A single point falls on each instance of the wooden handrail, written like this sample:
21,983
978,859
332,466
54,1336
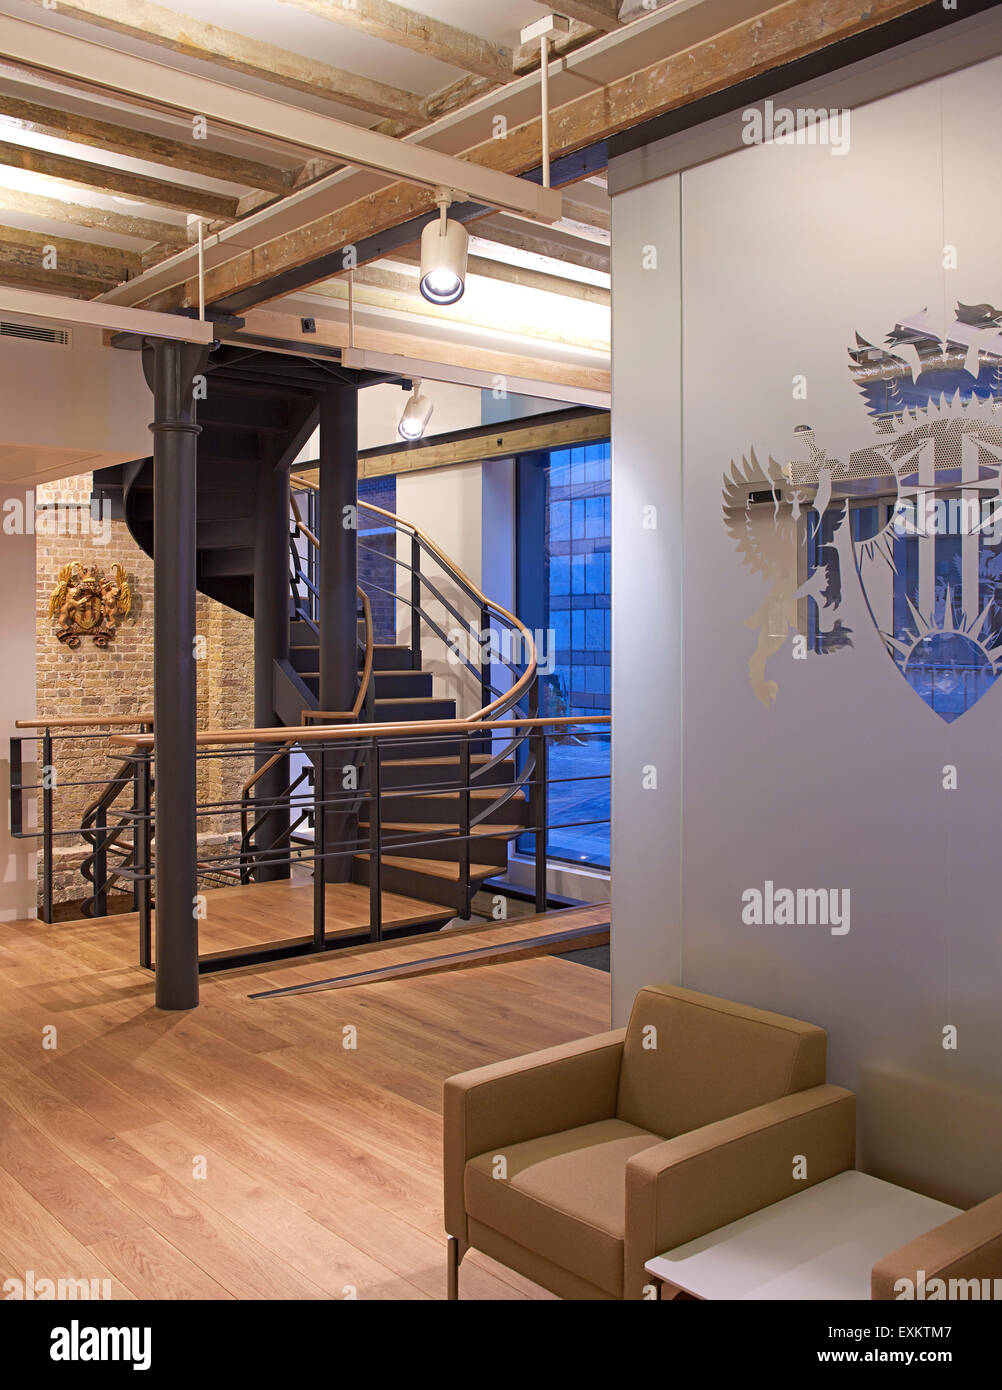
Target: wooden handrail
110,791
352,714
400,523
363,688
109,721
360,733
265,767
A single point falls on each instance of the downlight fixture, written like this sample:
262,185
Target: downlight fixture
417,413
444,248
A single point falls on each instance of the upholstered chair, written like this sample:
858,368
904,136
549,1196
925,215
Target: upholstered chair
966,1248
577,1164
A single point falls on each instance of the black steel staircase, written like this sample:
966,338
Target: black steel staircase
258,411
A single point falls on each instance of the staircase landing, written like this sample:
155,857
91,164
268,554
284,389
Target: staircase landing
262,915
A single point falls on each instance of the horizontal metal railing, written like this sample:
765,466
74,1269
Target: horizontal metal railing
364,811
100,824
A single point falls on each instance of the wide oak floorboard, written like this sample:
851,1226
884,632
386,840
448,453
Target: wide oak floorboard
285,1148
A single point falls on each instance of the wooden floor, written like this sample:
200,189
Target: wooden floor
241,1150
242,917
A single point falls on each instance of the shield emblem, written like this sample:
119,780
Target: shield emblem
922,502
926,531
88,611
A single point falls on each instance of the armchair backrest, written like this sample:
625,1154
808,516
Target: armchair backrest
690,1059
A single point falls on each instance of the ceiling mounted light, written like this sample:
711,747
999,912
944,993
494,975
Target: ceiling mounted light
417,413
444,247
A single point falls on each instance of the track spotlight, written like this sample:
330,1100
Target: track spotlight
444,247
417,413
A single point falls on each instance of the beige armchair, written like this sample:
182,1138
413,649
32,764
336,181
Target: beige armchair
576,1165
965,1249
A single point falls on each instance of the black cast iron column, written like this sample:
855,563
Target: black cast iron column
271,644
170,368
338,503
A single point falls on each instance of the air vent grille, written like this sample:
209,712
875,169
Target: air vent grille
36,332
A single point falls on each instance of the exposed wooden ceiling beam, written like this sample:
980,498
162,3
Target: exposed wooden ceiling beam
27,277
562,429
521,275
541,242
539,280
527,55
195,156
389,289
408,29
82,215
766,41
151,23
587,215
287,328
81,259
600,14
42,49
119,182
455,95
496,441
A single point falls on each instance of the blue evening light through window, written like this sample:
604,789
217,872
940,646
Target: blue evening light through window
564,551
377,542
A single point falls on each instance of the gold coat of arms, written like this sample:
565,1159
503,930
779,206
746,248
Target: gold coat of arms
88,603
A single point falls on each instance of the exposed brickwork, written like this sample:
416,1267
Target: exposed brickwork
118,680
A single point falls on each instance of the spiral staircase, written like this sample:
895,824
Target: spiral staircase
258,411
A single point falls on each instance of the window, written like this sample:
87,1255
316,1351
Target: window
564,587
377,548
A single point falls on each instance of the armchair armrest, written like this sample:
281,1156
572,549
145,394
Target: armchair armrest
509,1102
700,1181
968,1247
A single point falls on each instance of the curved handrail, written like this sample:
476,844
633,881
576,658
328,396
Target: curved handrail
366,678
352,714
112,790
103,802
399,523
504,702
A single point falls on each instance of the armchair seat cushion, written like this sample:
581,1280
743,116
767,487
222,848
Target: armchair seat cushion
564,1196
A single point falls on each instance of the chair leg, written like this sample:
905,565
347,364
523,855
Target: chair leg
454,1258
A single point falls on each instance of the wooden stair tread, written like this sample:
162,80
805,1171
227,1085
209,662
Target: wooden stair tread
401,671
446,758
430,827
476,793
413,699
435,868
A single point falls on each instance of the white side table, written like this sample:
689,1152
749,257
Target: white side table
818,1244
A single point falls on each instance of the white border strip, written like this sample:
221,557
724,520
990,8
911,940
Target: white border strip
93,313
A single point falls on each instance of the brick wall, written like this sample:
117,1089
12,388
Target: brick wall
118,680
